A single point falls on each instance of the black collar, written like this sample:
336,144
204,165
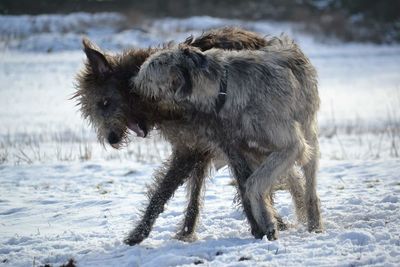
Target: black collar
221,99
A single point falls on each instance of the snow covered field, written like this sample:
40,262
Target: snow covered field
64,196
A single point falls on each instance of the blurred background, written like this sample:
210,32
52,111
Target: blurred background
362,20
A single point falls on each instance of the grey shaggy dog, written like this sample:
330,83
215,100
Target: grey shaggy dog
113,107
258,107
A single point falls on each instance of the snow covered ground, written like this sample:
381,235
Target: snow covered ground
64,196
51,212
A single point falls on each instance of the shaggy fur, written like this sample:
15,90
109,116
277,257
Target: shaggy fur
265,123
105,100
103,85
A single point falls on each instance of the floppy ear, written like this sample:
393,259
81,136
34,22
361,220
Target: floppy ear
181,83
97,60
198,58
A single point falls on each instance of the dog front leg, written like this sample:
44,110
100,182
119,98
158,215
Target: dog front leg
174,173
195,185
242,171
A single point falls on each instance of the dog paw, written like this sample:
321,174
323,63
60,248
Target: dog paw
315,227
132,240
186,237
135,237
257,233
272,234
271,231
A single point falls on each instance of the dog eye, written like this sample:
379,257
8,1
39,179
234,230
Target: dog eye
104,104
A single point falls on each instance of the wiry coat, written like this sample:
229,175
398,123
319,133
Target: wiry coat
266,116
105,98
105,79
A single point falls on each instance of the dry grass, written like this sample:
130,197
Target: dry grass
368,141
353,140
25,148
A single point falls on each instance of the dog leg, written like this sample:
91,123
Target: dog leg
288,148
279,221
312,202
261,182
295,184
194,186
296,188
177,171
242,171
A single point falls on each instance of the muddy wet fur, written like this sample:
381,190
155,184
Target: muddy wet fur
105,99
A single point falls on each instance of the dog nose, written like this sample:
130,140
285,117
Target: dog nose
113,138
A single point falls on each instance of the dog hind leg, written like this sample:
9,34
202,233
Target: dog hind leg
312,202
290,145
296,188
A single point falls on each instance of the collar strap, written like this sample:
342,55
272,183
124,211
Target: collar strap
221,99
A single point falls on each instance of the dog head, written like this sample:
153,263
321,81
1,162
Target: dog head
104,98
183,76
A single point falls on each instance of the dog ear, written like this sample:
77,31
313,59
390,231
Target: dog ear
181,83
97,60
198,58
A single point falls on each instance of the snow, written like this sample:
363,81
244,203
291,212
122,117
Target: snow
55,32
62,195
52,212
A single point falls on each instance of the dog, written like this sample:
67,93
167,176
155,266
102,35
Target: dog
105,98
259,107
